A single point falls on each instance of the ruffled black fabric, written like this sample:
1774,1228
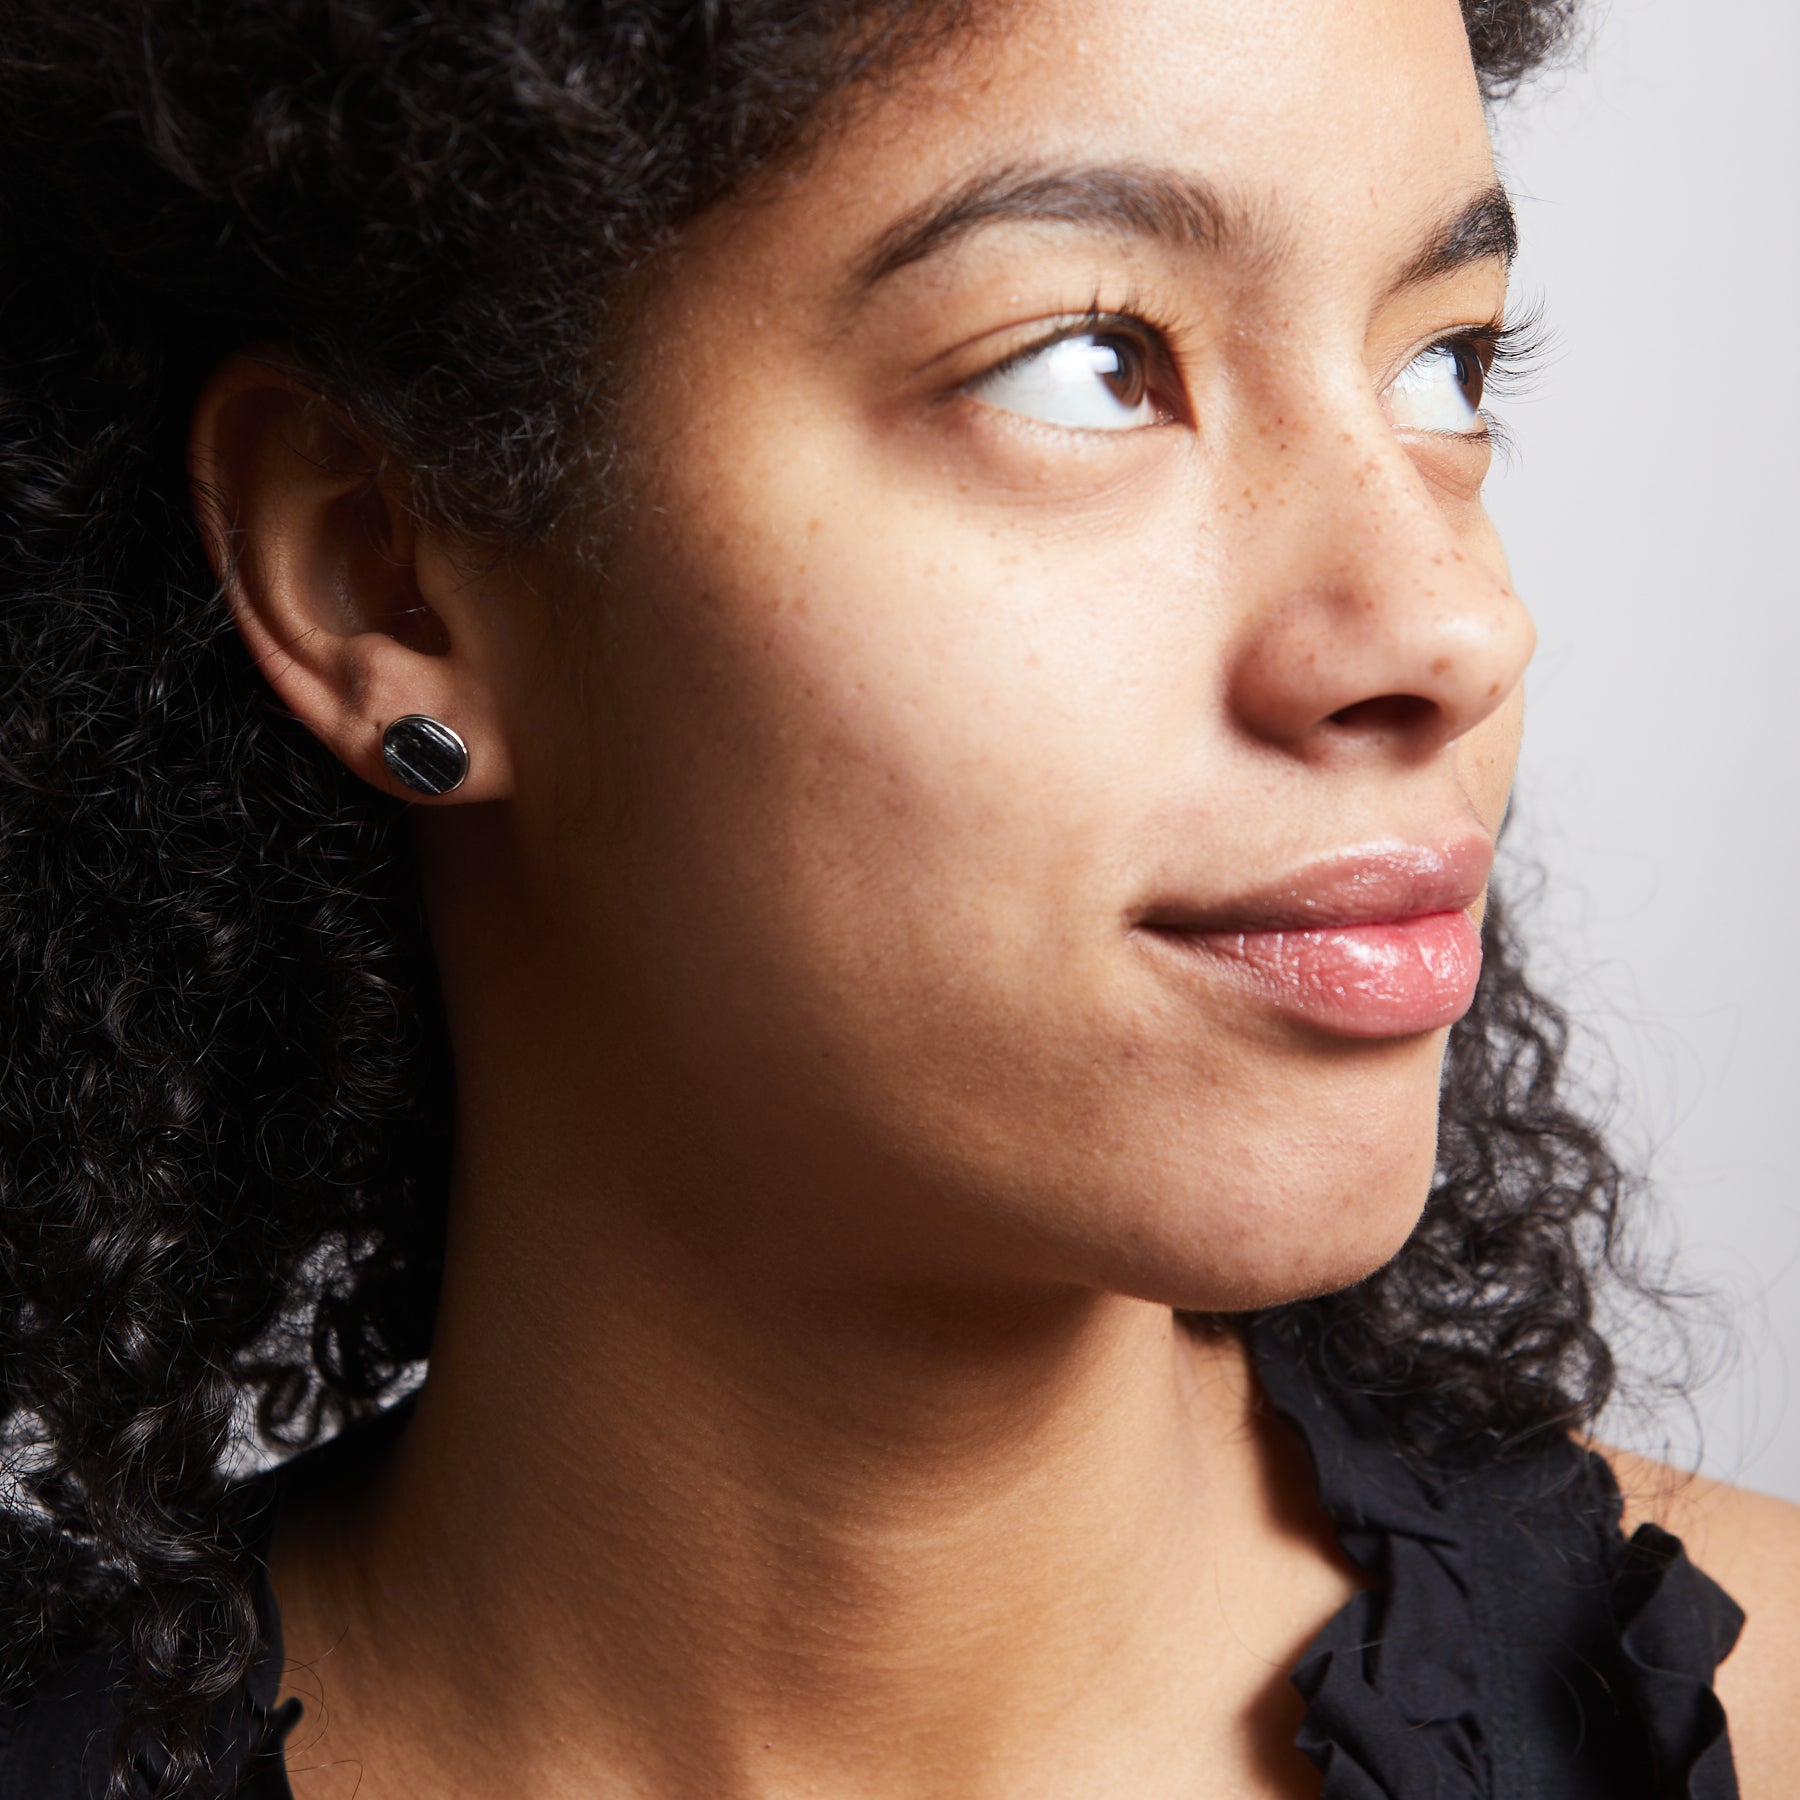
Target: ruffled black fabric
267,1725
56,1741
1514,1644
56,1738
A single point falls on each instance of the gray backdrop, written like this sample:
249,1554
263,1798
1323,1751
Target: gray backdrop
1648,513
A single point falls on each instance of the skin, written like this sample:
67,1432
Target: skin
808,1413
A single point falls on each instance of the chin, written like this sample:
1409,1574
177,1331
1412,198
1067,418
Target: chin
1275,1279
1252,1245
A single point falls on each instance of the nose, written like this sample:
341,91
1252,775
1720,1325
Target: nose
1375,626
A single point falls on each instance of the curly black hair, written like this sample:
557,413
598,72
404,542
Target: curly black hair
224,1099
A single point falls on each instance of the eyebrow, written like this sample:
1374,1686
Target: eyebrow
1152,203
1165,205
1486,229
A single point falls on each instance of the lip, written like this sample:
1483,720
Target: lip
1373,942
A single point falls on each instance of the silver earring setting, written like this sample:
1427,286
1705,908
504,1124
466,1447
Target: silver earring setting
426,754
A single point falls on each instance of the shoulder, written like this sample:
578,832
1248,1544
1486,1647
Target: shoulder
1750,1545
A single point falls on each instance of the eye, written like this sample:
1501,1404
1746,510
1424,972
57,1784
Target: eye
1440,390
1087,381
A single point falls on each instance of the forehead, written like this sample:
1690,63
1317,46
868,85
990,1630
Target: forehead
1340,124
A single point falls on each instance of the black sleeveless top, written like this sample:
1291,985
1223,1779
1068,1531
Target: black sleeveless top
1515,1645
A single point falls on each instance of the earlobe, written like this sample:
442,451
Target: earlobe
354,622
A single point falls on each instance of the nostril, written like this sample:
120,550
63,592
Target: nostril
1386,712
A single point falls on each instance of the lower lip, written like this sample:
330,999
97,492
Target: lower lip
1369,981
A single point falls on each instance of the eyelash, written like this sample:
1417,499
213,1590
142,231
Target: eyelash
1510,352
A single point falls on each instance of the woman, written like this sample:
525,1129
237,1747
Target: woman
904,587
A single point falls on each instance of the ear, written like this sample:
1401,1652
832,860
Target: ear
355,615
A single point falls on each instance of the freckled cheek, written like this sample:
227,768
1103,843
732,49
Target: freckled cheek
897,660
856,699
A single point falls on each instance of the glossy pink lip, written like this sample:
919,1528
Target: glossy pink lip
1373,942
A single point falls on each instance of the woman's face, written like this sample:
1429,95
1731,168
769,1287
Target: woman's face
1016,803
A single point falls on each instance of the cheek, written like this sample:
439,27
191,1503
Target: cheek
875,767
853,882
881,719
1488,758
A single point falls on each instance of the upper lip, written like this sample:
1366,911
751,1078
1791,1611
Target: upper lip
1372,884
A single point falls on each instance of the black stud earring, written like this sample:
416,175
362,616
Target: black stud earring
425,753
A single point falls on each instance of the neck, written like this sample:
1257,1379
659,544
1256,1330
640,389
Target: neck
755,1540
678,1515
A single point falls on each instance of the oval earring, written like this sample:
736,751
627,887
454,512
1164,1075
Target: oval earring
425,753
